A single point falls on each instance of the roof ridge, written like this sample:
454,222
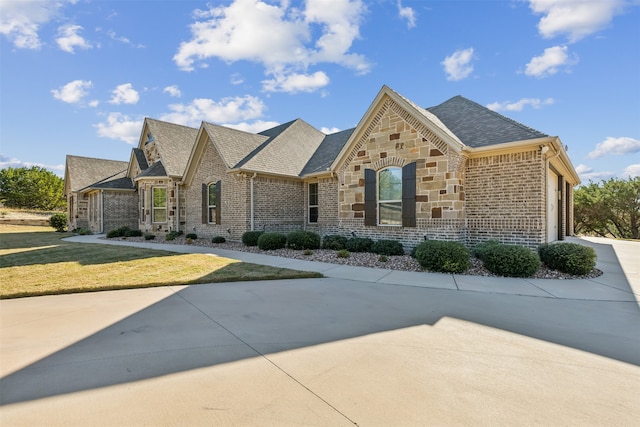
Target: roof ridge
95,158
264,144
169,123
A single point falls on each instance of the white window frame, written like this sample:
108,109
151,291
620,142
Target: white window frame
165,207
211,209
380,202
143,215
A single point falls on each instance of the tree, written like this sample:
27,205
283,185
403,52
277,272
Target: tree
610,208
31,188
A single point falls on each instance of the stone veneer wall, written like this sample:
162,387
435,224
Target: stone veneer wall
394,138
506,198
234,214
148,225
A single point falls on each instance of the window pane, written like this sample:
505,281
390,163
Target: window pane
313,194
313,214
212,195
159,215
390,213
212,215
159,197
390,186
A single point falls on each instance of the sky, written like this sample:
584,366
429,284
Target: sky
79,76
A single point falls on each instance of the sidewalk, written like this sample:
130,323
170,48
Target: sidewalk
617,259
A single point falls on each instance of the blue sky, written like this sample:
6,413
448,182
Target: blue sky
79,76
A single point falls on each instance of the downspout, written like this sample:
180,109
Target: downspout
251,195
177,206
101,211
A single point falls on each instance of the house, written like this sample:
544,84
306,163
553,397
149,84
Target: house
455,171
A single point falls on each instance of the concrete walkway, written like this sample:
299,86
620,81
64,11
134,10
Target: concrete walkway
358,347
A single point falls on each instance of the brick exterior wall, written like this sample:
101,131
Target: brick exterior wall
505,198
279,204
120,209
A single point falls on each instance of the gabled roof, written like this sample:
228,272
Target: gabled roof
287,150
140,159
232,144
327,152
174,143
156,170
478,126
119,181
81,172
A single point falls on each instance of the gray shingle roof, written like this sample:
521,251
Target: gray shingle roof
156,169
119,181
287,151
233,145
478,126
140,158
81,172
174,144
327,152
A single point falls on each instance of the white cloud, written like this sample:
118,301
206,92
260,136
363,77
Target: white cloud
172,90
73,92
253,127
458,66
575,18
278,36
113,36
293,83
535,103
619,146
631,171
12,162
120,126
550,62
586,173
329,131
407,13
227,110
236,79
68,38
20,20
124,94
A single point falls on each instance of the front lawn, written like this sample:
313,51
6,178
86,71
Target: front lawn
35,261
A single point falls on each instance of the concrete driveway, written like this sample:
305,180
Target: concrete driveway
332,351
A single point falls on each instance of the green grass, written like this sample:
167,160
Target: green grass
35,261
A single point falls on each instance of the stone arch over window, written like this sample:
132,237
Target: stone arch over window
388,162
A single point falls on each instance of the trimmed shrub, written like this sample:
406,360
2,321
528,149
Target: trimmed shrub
250,238
133,233
568,257
481,248
359,244
343,253
59,222
307,252
192,236
303,240
112,234
82,231
387,247
172,235
119,232
149,236
218,239
511,260
272,240
442,256
383,258
334,242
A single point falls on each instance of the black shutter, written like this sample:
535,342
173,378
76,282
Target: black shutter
369,197
205,204
218,201
409,195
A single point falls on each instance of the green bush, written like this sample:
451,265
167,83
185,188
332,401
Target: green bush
250,238
480,249
133,233
172,235
303,240
273,240
334,242
442,256
343,253
192,236
59,221
387,247
112,234
568,257
149,236
119,232
359,244
307,252
82,231
218,239
511,260
383,258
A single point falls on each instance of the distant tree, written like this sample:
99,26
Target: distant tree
610,208
31,188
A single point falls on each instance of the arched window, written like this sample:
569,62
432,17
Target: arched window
390,196
212,204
